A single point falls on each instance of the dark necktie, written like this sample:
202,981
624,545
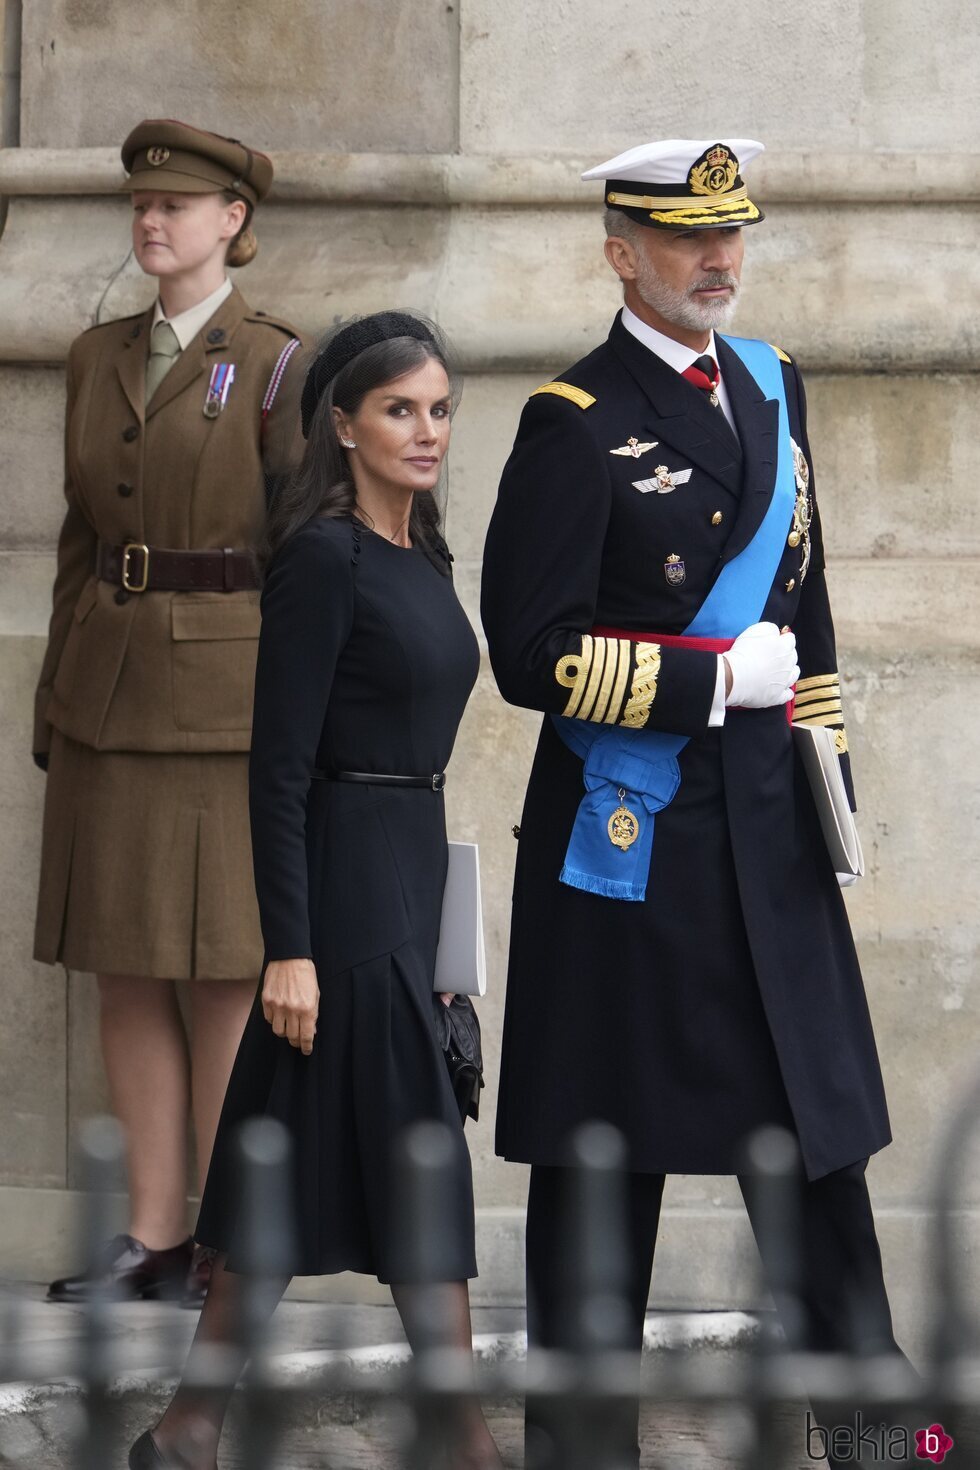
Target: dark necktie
704,374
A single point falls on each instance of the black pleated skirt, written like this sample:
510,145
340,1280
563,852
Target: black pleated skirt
376,1066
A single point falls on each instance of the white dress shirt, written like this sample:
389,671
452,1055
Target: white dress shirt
187,324
676,355
679,357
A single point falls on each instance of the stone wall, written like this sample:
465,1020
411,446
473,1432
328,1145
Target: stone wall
427,155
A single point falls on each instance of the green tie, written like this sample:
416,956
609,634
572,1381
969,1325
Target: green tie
164,352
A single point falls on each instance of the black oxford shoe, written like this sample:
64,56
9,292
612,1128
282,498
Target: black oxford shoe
126,1271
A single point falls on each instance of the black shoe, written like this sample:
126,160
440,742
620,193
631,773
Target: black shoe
198,1278
145,1456
126,1271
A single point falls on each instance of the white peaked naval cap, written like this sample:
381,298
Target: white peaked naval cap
682,183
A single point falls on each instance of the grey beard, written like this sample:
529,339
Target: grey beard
679,308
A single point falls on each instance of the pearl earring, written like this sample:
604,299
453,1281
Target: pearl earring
348,443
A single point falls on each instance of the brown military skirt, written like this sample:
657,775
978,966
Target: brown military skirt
146,865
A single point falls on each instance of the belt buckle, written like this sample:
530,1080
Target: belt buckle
439,781
128,550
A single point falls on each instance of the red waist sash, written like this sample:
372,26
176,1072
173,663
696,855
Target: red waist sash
668,640
677,640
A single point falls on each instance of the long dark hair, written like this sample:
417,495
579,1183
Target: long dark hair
322,485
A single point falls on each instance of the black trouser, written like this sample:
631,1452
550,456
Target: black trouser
843,1298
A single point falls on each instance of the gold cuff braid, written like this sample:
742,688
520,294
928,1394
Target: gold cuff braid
818,702
644,687
597,677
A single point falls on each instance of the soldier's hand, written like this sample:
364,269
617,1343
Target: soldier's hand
291,1001
763,666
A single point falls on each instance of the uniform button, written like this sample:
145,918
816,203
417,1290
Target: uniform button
122,596
717,518
216,335
790,584
125,490
515,830
131,433
793,539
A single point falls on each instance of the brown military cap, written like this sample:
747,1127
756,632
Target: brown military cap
161,153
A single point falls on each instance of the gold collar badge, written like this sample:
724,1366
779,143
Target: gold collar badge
634,447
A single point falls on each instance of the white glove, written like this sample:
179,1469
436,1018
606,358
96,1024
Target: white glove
764,667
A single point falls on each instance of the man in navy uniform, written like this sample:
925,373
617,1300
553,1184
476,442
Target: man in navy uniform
681,962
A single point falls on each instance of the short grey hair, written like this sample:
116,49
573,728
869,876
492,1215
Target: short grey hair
622,225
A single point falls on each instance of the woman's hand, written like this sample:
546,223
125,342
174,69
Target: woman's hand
291,1001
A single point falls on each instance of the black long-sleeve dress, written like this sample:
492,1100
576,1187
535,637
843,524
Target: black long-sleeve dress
365,663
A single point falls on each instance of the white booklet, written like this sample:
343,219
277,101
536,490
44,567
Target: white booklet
822,765
461,962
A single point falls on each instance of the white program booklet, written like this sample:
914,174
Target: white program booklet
461,962
822,765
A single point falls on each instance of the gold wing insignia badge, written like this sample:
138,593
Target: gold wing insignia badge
634,447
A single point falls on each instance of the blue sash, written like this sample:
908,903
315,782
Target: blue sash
637,769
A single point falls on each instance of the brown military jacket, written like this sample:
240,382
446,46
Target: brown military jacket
163,670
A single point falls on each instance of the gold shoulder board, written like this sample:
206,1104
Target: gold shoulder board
567,390
783,356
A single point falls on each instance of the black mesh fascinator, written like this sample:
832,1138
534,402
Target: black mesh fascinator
348,343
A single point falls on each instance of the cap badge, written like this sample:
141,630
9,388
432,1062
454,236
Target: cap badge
634,447
714,172
674,570
156,156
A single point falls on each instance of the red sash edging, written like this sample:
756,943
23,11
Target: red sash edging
676,640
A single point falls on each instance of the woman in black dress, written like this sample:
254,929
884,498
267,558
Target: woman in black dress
366,660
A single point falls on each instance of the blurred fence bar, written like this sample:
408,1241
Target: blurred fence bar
587,1390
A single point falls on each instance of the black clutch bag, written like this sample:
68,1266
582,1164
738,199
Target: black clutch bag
458,1030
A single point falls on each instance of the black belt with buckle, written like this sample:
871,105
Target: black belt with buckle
435,782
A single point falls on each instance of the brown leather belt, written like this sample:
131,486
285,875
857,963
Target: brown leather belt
141,568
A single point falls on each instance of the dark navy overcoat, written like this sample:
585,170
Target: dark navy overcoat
732,996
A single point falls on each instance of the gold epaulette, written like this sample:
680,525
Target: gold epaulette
569,391
783,356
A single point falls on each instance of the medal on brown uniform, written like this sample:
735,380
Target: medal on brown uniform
222,377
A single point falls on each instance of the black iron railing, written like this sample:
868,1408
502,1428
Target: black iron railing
590,1387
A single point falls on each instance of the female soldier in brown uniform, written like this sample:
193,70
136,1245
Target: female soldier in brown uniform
176,421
